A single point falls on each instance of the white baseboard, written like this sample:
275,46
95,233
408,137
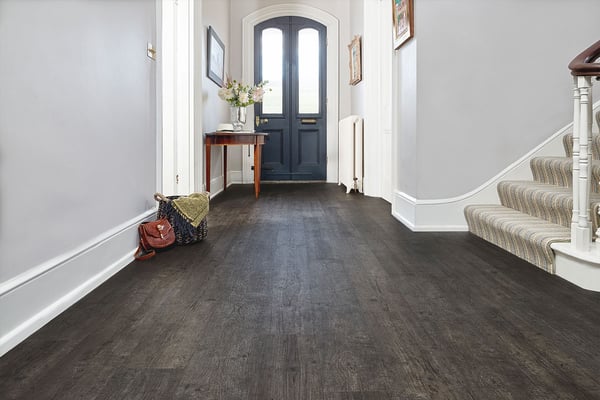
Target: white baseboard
422,217
216,186
32,299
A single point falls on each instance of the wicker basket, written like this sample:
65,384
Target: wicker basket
185,233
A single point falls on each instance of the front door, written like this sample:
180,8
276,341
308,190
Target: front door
290,53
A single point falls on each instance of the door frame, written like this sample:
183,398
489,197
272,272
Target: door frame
332,90
178,151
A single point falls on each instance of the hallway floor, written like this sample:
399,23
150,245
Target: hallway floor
309,293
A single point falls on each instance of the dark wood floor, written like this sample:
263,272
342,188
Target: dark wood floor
309,293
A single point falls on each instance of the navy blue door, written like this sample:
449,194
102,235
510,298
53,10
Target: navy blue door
290,52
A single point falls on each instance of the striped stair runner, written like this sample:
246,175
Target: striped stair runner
534,214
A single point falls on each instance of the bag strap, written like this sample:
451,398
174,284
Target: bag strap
161,197
139,254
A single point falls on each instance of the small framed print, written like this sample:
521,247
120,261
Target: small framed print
355,61
402,11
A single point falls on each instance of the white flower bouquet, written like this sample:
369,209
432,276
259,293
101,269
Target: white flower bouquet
239,94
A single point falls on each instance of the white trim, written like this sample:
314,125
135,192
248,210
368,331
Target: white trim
158,82
197,138
421,217
447,214
332,24
178,94
32,299
403,209
216,185
191,73
35,272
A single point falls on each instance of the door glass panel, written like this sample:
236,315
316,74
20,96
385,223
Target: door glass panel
272,70
308,71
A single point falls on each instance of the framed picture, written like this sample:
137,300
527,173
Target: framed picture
215,58
355,61
402,11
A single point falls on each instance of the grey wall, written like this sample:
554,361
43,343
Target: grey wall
491,84
77,124
215,13
405,94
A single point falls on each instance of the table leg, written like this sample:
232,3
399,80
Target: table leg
224,168
207,183
257,163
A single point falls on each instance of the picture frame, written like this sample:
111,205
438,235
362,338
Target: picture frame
215,58
354,49
403,21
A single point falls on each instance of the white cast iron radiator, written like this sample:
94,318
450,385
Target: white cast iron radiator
351,153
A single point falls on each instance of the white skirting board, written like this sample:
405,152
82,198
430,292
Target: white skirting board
32,299
216,184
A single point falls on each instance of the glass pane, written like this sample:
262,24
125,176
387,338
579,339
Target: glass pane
308,71
272,70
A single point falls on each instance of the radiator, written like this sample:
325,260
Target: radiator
351,153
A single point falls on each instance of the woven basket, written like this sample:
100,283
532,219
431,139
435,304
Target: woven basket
185,233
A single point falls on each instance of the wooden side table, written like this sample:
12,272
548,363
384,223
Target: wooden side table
232,138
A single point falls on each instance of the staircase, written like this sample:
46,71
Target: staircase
534,214
536,218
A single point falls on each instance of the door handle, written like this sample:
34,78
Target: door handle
308,121
260,120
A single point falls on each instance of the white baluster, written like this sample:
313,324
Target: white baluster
575,182
583,236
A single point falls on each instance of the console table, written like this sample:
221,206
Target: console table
232,138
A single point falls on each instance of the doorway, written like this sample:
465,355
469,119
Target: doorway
332,74
290,53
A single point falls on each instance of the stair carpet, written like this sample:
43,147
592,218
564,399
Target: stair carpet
534,214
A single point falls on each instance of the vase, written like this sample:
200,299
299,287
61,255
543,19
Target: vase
238,118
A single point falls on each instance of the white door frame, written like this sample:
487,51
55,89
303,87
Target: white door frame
332,92
177,97
377,99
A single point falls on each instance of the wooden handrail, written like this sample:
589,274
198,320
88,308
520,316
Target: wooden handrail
584,64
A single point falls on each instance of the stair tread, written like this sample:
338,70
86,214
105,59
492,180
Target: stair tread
566,159
550,189
524,235
559,171
511,215
568,144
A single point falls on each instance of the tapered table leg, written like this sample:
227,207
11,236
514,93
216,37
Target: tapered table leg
224,168
257,161
207,166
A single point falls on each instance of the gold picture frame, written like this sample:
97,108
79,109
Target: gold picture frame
355,60
402,12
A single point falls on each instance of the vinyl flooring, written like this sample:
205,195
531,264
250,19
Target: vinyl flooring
309,293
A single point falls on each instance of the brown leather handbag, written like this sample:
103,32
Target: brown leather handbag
154,235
